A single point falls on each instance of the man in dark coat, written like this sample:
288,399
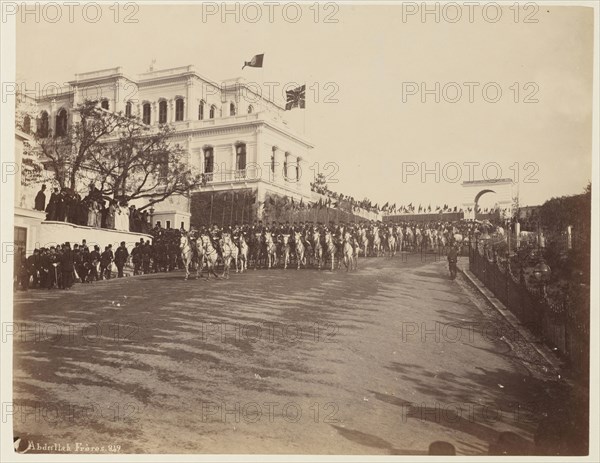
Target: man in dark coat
121,255
94,259
61,206
84,267
66,264
105,260
51,208
33,264
40,199
147,254
52,264
77,261
136,259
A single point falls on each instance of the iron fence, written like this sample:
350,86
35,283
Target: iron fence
563,326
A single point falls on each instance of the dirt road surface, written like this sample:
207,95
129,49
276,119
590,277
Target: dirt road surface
384,360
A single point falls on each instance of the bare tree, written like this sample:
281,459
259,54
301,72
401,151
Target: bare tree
141,163
125,158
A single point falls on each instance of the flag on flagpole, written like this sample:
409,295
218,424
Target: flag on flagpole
255,62
295,98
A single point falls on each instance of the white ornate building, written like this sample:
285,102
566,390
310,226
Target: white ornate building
236,137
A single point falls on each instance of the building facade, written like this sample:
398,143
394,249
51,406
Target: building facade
239,140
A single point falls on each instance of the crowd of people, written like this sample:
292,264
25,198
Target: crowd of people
58,267
94,210
348,202
62,265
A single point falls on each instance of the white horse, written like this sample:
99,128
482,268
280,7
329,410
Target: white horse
350,255
286,249
400,240
186,251
330,246
230,253
200,254
210,255
391,241
299,245
317,249
364,241
242,263
271,250
376,242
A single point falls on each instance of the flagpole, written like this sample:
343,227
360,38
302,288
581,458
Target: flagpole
212,196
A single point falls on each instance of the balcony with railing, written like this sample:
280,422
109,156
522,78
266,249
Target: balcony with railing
250,174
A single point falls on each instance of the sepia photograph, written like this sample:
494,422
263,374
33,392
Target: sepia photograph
304,231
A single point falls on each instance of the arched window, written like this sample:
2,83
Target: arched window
43,125
201,110
240,156
146,112
162,112
232,109
209,163
128,109
104,104
27,124
179,109
213,110
250,109
61,123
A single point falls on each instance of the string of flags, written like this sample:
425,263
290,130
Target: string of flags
296,98
289,203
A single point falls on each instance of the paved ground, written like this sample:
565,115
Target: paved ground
384,360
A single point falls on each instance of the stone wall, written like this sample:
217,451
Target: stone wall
52,233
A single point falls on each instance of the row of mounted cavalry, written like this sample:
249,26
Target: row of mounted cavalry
305,247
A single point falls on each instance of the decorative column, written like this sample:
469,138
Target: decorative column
299,173
188,99
277,172
118,105
74,114
170,111
154,115
75,96
202,159
233,166
285,166
257,157
52,117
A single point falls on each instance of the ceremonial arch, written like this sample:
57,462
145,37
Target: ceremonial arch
474,190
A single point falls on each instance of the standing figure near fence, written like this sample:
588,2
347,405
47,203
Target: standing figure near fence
452,260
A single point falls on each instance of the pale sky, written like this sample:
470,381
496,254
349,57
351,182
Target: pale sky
370,55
